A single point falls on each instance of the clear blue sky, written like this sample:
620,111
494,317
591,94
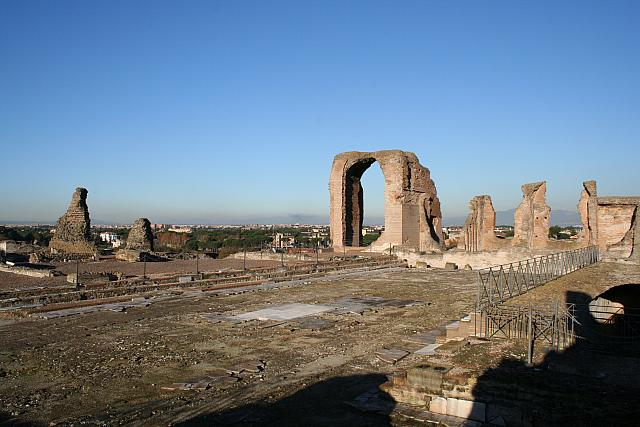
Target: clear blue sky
232,111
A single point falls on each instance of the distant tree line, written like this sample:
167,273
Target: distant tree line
37,235
235,239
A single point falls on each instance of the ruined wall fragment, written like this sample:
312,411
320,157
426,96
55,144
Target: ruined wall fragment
588,209
618,224
629,246
478,231
532,218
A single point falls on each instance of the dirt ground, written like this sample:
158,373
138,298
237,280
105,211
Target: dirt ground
110,367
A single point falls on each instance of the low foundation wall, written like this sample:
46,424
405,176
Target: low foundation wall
271,256
27,271
476,260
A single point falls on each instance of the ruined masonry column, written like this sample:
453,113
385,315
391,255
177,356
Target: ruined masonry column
532,218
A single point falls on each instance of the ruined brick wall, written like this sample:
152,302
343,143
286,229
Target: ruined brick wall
478,232
618,226
612,223
412,208
588,209
531,228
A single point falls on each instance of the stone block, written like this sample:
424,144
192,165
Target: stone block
422,264
428,350
427,376
466,409
410,396
438,405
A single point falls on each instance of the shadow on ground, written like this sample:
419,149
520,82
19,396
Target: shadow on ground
322,404
6,420
595,382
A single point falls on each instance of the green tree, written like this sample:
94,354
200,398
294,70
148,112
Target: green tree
368,239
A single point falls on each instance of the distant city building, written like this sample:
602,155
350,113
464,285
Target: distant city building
180,229
452,231
377,229
503,231
315,233
281,240
112,238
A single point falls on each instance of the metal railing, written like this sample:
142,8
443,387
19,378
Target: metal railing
555,326
497,284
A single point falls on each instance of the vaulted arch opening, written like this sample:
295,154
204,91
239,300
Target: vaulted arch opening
354,202
618,310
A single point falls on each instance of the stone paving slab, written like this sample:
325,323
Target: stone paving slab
116,307
312,323
285,312
220,317
423,337
428,350
391,355
371,401
360,304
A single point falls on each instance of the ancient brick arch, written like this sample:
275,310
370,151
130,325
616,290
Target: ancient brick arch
412,208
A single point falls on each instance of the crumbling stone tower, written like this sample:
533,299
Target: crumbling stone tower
73,229
140,236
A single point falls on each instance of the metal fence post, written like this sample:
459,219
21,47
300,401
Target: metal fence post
530,339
